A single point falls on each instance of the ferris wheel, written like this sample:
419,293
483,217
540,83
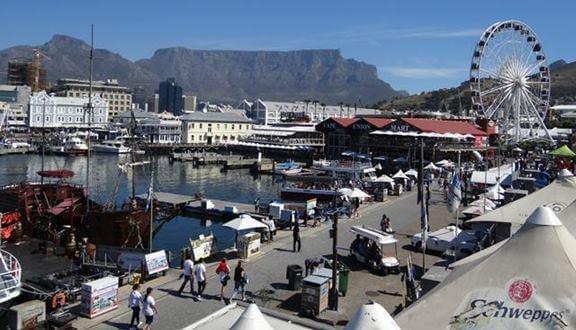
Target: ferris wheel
510,80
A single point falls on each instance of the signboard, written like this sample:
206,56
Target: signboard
156,262
400,126
203,247
311,204
99,296
362,126
516,306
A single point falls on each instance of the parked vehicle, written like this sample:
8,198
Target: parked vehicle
372,248
451,240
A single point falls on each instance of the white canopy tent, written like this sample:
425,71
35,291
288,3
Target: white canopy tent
493,176
354,193
372,316
244,222
557,195
512,288
412,172
431,167
383,178
251,319
400,175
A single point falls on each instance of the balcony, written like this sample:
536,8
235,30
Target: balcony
10,276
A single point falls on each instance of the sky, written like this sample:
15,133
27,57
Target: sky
415,45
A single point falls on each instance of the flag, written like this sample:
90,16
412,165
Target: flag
424,224
150,192
454,192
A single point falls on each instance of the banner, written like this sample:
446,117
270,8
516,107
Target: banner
455,192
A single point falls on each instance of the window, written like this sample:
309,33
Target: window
232,126
192,138
218,126
200,126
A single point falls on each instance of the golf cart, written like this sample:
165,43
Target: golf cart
369,246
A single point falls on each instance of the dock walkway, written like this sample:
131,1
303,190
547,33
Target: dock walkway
170,199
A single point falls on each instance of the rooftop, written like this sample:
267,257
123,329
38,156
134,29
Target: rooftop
444,126
223,117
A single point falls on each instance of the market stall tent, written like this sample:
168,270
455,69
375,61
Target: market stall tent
563,151
521,290
251,319
372,316
244,222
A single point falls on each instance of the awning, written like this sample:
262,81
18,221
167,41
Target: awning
563,151
456,136
491,177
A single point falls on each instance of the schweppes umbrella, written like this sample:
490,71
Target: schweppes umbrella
526,283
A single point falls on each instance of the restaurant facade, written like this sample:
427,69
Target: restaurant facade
396,137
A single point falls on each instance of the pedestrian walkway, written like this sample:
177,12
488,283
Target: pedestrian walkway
268,285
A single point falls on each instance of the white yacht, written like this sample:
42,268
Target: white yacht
116,146
74,146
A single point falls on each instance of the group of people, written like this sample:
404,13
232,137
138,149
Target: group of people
145,303
223,270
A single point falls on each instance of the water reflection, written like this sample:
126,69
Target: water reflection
109,183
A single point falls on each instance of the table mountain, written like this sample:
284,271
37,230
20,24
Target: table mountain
218,75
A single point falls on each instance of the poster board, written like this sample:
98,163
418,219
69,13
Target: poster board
99,296
156,262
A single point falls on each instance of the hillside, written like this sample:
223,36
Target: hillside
563,77
226,76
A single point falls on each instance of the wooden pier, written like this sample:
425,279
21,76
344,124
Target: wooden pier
169,199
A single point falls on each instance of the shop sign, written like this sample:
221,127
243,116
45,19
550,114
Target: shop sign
400,127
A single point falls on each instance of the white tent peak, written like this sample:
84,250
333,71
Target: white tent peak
544,216
250,319
371,316
565,173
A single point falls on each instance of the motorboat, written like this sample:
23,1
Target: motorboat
287,168
346,170
74,146
300,192
116,146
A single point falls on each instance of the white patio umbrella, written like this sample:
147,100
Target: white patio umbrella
564,173
372,316
475,210
383,178
443,162
250,319
358,193
400,175
378,167
494,195
412,172
431,166
244,222
497,188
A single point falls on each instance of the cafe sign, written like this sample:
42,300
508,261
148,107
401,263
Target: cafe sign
400,126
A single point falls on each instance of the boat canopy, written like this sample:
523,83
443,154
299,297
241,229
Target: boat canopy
59,174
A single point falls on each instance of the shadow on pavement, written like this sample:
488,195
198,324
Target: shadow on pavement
279,286
292,303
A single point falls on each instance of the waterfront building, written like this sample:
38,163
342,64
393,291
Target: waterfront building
124,118
153,103
65,112
214,127
17,99
299,136
118,98
272,112
170,97
396,138
162,131
139,97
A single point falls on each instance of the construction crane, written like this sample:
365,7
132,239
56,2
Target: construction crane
37,65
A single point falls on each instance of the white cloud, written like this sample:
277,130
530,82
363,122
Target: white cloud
420,73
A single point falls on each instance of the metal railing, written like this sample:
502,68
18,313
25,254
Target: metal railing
10,278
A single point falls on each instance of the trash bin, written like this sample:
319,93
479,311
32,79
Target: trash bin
343,274
294,276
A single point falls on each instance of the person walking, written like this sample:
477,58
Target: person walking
239,280
200,274
134,301
271,228
296,237
188,275
149,308
223,271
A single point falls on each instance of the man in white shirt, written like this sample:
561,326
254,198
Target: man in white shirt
188,275
200,274
134,301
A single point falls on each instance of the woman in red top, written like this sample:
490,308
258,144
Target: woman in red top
223,271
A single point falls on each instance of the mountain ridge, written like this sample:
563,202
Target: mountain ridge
220,75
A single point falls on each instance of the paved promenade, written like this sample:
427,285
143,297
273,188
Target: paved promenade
268,286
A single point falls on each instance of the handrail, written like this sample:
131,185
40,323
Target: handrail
14,283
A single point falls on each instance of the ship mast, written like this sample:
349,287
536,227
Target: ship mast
89,110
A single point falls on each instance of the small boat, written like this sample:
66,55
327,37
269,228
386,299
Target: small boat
116,146
292,192
74,146
287,168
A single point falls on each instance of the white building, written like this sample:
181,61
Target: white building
214,127
61,112
272,112
163,131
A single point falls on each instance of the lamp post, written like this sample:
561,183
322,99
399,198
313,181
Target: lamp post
333,301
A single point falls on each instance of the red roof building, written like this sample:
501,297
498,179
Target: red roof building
444,126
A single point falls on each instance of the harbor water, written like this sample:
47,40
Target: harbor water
109,183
